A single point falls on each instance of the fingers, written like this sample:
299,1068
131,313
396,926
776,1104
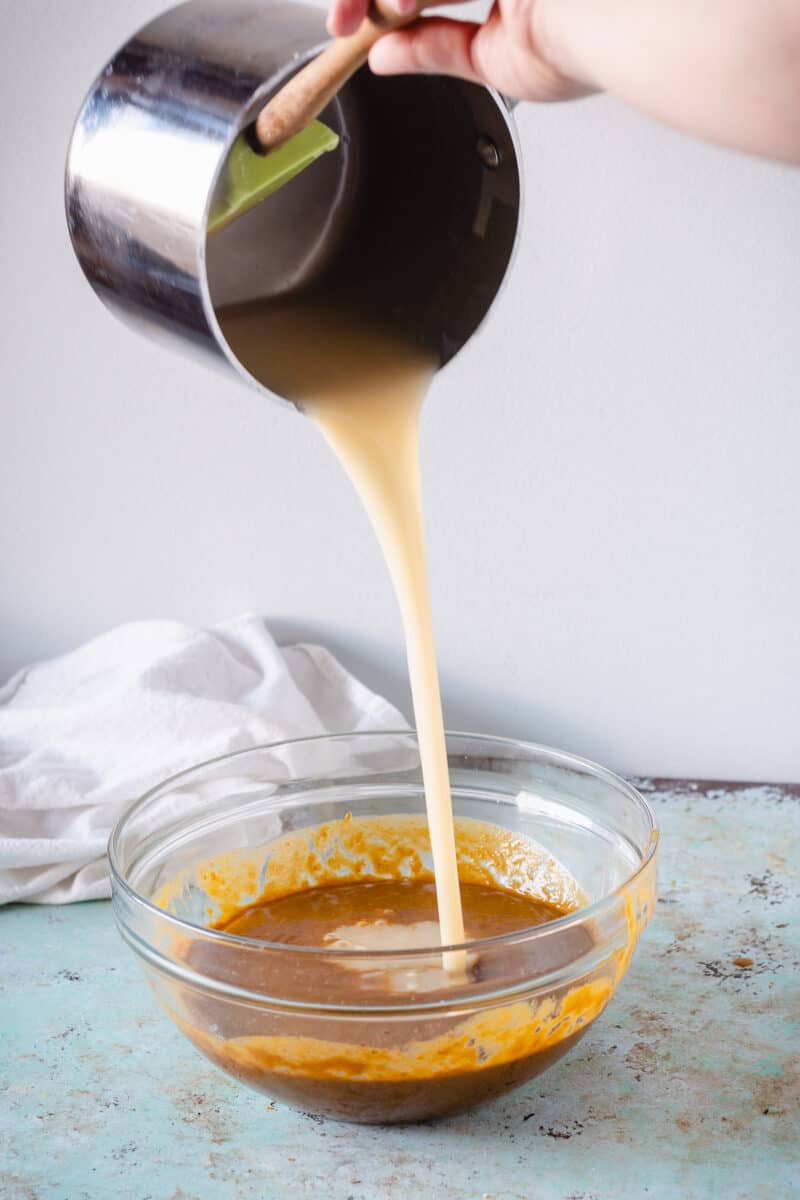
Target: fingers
478,53
345,16
434,46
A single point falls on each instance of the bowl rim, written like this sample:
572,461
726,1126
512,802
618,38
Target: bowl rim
560,758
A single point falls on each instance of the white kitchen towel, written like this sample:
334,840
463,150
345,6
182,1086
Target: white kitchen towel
83,735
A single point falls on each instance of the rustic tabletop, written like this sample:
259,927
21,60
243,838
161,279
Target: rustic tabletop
686,1087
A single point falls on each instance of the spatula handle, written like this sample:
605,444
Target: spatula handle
311,89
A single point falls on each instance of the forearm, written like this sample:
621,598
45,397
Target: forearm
725,70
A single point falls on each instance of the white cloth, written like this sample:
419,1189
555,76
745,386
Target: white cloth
85,734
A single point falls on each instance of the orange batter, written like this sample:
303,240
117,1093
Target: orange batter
434,1045
309,918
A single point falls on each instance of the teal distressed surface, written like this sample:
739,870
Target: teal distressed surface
686,1087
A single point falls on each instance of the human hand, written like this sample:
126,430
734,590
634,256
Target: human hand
505,52
724,70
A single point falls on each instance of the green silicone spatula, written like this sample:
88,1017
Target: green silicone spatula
286,131
251,177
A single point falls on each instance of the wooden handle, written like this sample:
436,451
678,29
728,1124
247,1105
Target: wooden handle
312,88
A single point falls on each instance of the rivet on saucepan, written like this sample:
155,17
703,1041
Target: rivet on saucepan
488,152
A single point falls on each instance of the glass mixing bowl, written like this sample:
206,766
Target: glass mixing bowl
381,1036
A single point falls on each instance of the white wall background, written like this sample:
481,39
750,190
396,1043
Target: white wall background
611,468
